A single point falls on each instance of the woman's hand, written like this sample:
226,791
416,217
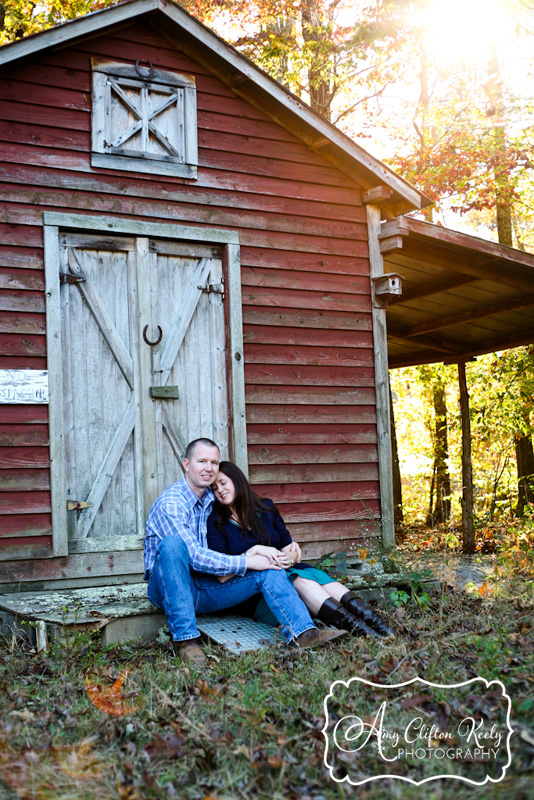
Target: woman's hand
224,578
274,556
293,551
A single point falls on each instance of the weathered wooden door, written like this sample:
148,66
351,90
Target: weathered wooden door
143,373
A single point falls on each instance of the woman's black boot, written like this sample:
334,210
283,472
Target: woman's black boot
333,613
362,611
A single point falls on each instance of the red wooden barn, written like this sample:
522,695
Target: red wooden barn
186,250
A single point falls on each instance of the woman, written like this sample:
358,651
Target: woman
241,519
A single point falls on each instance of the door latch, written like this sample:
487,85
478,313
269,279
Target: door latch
78,505
212,288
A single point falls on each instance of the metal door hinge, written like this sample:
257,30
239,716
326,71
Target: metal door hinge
78,505
65,277
215,288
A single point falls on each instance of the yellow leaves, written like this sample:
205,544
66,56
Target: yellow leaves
79,761
25,715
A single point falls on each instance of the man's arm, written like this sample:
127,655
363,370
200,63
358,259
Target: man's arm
174,520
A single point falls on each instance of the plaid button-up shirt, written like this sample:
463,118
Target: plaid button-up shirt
179,512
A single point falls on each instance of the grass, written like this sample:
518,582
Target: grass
131,722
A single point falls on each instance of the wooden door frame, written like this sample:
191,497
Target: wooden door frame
53,224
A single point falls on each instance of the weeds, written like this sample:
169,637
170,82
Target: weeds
130,722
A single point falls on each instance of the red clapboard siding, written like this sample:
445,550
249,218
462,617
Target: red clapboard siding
20,480
21,279
23,435
306,318
24,549
318,454
13,321
307,262
311,434
22,362
318,492
25,415
92,196
311,356
141,185
283,414
306,291
254,220
308,376
21,457
22,258
297,395
24,502
336,529
285,337
25,525
319,512
313,281
14,345
213,159
312,473
21,301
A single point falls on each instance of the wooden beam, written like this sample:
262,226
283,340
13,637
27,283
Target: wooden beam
236,358
436,342
318,144
467,467
469,316
377,194
525,337
55,390
463,253
434,287
385,460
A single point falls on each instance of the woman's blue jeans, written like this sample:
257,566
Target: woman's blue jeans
182,594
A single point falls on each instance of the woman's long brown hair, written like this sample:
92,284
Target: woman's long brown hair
247,505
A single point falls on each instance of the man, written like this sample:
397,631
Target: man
176,554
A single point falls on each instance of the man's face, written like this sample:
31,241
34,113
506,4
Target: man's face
202,468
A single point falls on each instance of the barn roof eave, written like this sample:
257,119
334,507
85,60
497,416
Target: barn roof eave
247,81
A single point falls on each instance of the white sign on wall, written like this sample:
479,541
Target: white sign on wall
23,386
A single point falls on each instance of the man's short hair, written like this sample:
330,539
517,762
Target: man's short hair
191,447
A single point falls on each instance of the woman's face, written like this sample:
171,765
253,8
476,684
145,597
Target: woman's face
224,489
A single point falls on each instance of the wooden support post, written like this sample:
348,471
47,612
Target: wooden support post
397,482
467,467
383,424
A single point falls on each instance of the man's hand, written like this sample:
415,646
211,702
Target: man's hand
259,562
295,551
273,555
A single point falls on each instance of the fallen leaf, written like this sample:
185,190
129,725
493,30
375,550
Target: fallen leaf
110,699
25,714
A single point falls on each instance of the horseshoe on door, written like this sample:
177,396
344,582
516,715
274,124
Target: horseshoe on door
147,341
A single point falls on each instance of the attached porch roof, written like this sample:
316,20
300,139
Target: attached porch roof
462,296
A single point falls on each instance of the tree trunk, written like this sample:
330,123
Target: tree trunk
503,188
467,467
318,81
442,507
524,454
398,515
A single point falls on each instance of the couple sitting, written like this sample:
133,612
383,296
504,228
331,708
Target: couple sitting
201,558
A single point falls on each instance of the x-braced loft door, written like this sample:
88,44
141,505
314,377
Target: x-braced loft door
143,356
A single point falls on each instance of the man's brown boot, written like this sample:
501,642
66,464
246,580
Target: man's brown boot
315,637
189,651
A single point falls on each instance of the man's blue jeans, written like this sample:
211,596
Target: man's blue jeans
181,594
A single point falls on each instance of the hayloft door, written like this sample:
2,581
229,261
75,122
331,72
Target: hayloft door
143,346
